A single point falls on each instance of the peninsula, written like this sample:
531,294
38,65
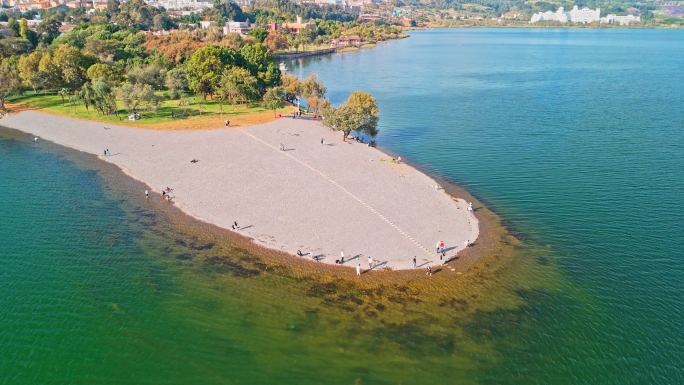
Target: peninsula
319,198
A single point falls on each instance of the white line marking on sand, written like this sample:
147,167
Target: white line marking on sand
402,232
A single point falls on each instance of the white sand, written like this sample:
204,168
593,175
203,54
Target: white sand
313,198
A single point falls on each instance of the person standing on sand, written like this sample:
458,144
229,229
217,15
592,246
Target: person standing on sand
147,194
370,263
358,269
414,261
470,207
342,256
466,243
322,142
441,246
437,246
428,271
108,153
441,259
105,152
282,147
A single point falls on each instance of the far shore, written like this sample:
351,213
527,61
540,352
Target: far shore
314,198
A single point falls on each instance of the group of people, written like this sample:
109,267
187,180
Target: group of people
106,153
166,193
296,113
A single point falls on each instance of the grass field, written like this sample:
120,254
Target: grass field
186,118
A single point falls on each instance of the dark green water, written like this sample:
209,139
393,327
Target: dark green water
574,136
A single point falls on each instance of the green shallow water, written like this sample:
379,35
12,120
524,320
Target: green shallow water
573,136
101,286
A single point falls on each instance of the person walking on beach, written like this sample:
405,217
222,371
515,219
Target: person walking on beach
147,194
441,259
358,269
470,207
428,271
441,246
322,142
282,147
437,246
342,256
414,262
370,263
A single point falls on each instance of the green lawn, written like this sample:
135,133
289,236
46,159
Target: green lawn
184,116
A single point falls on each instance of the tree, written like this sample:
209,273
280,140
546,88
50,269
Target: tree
86,96
226,9
205,67
238,83
275,42
176,82
48,30
13,46
112,8
273,99
138,96
9,81
292,88
312,88
109,74
150,74
359,113
13,25
259,33
71,65
257,57
23,28
64,92
28,67
103,99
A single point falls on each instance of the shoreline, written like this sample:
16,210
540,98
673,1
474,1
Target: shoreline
383,226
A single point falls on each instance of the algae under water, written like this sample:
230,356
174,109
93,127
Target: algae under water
100,285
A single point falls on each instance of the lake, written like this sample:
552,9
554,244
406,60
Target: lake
574,137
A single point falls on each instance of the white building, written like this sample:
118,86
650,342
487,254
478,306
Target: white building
559,15
622,20
576,15
237,27
584,15
193,5
206,24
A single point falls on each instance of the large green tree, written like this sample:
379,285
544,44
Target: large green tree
71,64
9,80
48,30
359,113
238,83
205,68
176,81
273,99
313,90
138,96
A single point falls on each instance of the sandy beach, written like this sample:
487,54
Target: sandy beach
316,198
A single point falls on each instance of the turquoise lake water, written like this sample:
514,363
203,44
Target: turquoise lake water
574,137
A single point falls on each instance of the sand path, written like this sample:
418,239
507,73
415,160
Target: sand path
316,198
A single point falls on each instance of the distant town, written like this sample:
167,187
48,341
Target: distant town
412,14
